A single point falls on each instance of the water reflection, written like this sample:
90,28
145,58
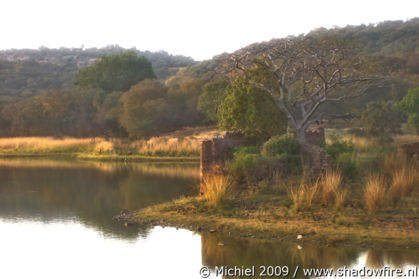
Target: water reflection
57,215
91,192
218,250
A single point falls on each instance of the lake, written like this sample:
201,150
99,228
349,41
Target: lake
56,222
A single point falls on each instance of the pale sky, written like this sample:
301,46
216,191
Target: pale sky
196,28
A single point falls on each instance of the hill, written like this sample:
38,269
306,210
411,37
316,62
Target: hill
23,72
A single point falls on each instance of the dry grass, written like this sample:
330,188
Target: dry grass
406,138
180,143
403,181
402,174
215,188
374,193
331,190
304,195
43,143
164,146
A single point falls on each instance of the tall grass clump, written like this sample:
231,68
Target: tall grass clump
331,189
304,195
216,188
374,193
403,181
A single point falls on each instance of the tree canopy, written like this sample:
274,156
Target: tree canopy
115,72
247,110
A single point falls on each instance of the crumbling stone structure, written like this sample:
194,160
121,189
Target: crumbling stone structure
320,161
316,136
213,153
410,149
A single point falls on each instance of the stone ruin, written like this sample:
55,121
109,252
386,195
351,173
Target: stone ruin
213,153
316,136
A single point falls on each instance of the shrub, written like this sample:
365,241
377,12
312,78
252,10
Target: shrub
347,164
374,193
215,188
287,150
337,147
244,163
280,145
342,156
290,164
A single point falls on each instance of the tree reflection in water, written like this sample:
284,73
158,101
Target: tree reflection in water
90,192
250,252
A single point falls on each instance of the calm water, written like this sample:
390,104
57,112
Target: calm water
56,222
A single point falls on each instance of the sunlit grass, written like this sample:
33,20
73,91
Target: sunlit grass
216,188
180,143
303,195
331,191
374,193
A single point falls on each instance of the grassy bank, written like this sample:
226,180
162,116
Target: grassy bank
181,145
378,205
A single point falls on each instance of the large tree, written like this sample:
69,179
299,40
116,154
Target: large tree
302,74
115,72
247,110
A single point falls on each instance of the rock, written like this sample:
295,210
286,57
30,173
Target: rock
299,237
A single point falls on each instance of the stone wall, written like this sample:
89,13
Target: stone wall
410,149
316,136
320,161
213,154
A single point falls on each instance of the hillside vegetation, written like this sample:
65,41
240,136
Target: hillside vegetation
38,96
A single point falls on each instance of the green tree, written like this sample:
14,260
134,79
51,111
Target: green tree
212,95
115,72
250,111
144,109
409,105
381,119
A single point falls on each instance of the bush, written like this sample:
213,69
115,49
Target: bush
280,145
287,150
244,162
248,165
338,147
346,163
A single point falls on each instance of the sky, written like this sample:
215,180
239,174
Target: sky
196,28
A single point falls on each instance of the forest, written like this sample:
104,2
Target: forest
127,93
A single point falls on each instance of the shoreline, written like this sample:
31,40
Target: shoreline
304,229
